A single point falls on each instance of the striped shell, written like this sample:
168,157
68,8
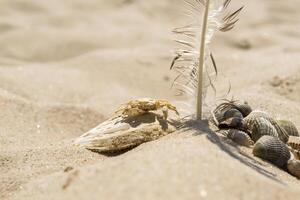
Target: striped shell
259,123
239,137
273,150
258,127
294,144
289,127
293,167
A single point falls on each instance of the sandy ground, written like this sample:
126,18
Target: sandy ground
65,66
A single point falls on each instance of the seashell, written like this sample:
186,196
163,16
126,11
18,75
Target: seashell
239,137
221,109
232,113
244,108
294,144
273,150
228,118
295,152
293,167
232,118
258,127
289,127
119,134
259,123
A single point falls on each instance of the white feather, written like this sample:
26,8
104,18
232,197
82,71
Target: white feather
186,62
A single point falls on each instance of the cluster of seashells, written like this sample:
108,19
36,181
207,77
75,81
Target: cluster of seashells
276,141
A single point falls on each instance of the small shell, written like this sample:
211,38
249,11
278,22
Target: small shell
296,153
294,144
232,113
222,108
218,113
232,118
273,150
245,109
289,127
294,167
239,137
259,123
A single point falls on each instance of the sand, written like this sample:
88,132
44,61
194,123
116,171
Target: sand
65,66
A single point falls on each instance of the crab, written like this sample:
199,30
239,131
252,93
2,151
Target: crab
140,106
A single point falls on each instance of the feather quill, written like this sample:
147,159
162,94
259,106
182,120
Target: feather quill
194,61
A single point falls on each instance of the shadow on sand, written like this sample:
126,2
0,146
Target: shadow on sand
202,127
199,128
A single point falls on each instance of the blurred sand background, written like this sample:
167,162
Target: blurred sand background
65,66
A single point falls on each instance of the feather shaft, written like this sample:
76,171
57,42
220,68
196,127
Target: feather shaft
201,63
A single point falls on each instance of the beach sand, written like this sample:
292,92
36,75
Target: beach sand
66,66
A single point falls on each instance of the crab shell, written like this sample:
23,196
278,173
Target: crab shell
141,106
119,134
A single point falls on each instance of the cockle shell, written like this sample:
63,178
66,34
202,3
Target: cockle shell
294,144
118,134
273,150
258,127
293,167
289,127
259,123
238,137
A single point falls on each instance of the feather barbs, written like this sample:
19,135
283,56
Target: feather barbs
194,49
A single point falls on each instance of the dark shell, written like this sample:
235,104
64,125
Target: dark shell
273,150
293,167
232,113
259,123
232,118
289,127
245,109
239,137
219,111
